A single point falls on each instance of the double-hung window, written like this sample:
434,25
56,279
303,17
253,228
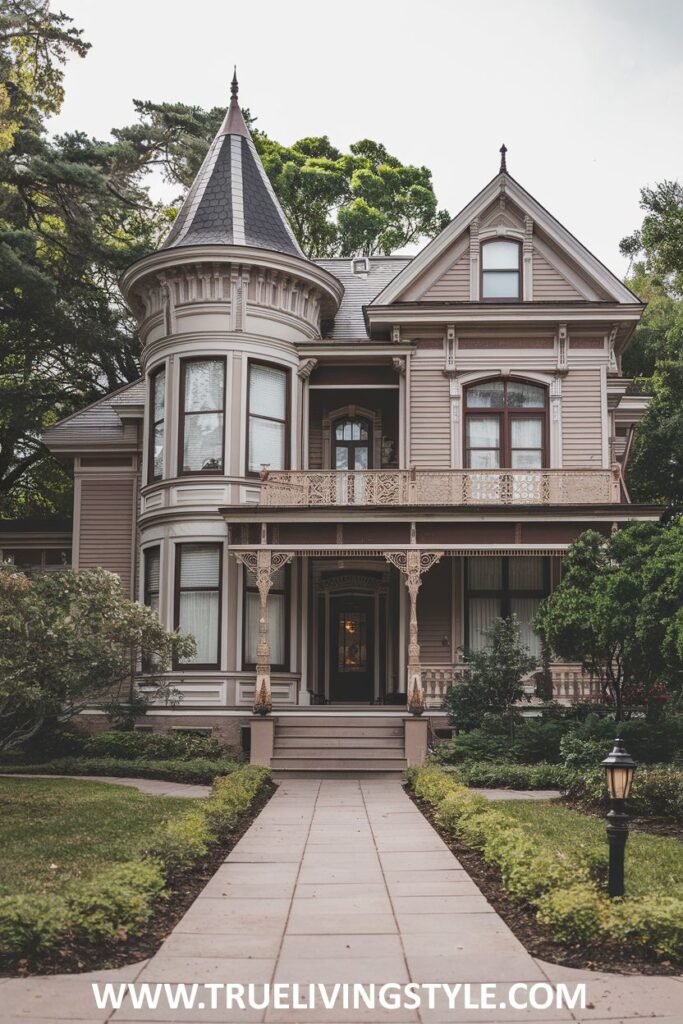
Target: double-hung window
152,558
501,270
157,404
198,600
277,619
267,419
499,588
202,390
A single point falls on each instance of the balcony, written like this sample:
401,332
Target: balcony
396,487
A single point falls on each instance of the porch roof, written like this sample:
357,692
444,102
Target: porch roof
379,551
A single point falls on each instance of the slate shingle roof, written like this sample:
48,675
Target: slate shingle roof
99,423
231,201
359,291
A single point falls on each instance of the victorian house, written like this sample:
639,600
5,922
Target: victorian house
337,473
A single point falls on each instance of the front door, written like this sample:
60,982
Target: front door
352,649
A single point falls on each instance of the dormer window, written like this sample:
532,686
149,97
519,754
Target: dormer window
501,270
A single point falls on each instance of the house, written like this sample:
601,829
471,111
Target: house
336,473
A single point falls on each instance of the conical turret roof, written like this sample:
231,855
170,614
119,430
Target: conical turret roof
231,201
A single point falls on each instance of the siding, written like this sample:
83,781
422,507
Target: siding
434,614
582,419
430,424
106,524
455,283
549,283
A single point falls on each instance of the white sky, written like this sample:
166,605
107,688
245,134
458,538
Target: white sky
586,94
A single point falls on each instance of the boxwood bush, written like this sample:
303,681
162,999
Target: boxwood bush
121,900
575,913
199,771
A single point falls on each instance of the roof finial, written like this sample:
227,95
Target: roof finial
503,166
234,86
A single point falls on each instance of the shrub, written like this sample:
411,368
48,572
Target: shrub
181,841
30,923
118,903
580,753
648,742
197,772
657,790
574,915
655,922
430,784
171,746
505,775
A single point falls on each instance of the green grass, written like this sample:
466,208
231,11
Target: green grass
654,864
54,832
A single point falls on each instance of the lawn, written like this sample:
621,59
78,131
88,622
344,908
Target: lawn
56,831
653,863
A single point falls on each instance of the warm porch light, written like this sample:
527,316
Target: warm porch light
619,769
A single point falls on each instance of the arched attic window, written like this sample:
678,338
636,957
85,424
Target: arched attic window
501,270
506,425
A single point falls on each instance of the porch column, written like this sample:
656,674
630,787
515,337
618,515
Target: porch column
413,564
264,563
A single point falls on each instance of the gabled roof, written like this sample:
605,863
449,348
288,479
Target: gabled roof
359,290
231,201
543,220
99,423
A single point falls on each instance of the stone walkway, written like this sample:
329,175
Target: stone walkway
342,881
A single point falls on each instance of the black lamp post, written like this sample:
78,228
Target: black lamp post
619,768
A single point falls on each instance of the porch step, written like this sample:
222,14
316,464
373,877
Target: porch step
313,744
333,732
348,753
316,764
326,741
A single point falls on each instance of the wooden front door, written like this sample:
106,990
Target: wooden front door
352,655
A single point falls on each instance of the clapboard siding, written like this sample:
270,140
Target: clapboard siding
434,614
582,419
430,428
549,283
106,524
455,283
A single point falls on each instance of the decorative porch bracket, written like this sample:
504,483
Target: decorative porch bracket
413,564
264,564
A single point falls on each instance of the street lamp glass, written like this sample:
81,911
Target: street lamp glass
619,768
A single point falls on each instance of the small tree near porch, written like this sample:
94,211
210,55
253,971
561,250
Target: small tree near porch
68,639
493,678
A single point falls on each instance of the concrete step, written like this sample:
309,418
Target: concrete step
340,731
337,742
322,764
337,721
335,773
348,753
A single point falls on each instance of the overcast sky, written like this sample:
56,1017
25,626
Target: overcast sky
586,94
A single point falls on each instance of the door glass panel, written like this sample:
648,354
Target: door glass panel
352,647
361,458
342,458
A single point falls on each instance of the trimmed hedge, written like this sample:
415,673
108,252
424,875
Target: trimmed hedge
199,771
508,775
575,914
122,899
657,790
169,746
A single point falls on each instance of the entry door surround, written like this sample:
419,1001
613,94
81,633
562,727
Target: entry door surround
365,593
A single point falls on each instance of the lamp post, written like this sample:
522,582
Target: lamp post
619,769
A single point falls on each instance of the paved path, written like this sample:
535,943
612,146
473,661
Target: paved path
154,787
342,881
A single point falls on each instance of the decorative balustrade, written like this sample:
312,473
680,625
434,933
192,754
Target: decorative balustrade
570,684
388,487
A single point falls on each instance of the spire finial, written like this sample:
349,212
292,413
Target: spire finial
234,86
503,165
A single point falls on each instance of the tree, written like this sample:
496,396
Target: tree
659,240
618,611
67,639
493,678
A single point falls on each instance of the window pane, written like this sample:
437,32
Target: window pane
342,458
199,565
482,612
159,396
526,573
198,617
267,391
483,431
158,469
266,444
525,396
526,433
526,460
361,458
500,255
486,396
203,442
499,285
485,573
479,458
276,628
525,609
339,430
204,383
152,564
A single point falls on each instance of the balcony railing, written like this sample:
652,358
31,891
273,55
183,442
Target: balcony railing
443,487
570,684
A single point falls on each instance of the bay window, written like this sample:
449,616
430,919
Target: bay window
198,600
277,619
505,425
202,441
157,404
267,418
499,588
152,567
501,270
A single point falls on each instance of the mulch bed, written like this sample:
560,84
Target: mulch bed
521,919
183,889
